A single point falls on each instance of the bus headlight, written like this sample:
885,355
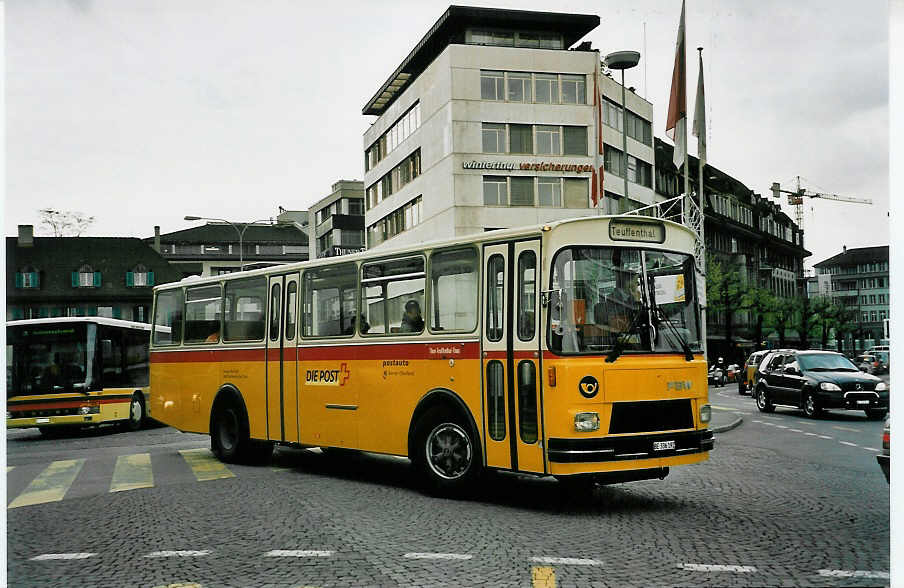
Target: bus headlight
585,422
706,413
93,409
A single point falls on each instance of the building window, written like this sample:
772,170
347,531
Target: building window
574,89
139,276
612,161
521,139
86,277
397,221
519,86
398,132
522,192
493,138
546,88
575,140
549,140
549,192
492,85
495,191
28,277
872,316
577,192
408,169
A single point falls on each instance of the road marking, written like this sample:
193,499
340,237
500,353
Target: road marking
849,443
810,434
872,449
438,556
845,429
204,465
721,407
781,426
49,556
179,553
716,568
854,574
567,561
51,485
180,585
8,468
297,553
795,430
131,472
825,437
543,577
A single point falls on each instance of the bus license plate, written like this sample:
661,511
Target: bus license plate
42,420
663,445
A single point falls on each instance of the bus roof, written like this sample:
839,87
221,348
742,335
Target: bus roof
464,240
80,319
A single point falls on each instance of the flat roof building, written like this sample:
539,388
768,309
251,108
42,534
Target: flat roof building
491,122
336,222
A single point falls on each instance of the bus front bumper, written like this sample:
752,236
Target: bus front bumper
54,421
629,447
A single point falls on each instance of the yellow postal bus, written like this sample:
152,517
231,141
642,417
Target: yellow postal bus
75,372
570,349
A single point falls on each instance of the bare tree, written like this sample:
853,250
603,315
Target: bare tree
65,223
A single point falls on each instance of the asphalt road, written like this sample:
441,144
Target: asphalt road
783,500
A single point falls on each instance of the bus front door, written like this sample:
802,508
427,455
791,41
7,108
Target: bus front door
512,420
282,359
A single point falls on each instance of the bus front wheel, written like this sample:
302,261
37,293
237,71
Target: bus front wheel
136,413
447,453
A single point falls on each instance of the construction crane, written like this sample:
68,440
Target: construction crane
796,199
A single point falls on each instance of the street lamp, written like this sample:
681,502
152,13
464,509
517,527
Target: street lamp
241,231
623,60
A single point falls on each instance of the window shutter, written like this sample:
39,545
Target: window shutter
37,280
150,278
75,279
117,312
130,279
97,279
19,280
43,312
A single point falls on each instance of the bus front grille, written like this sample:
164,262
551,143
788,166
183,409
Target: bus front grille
651,415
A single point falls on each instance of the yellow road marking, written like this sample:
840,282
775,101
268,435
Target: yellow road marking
8,468
51,485
543,576
204,465
131,472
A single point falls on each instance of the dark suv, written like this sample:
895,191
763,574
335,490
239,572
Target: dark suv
815,380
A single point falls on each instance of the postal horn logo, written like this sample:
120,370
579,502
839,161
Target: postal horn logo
588,387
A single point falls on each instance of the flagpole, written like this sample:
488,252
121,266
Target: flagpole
701,156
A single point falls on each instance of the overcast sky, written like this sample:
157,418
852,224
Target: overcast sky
140,113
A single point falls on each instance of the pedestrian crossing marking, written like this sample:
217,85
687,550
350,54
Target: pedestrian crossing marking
131,472
51,484
204,465
543,577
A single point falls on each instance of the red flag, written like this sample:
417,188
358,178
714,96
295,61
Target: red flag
676,122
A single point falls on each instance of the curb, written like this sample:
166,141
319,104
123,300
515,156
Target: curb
727,427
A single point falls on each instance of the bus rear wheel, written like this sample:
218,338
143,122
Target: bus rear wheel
447,454
229,435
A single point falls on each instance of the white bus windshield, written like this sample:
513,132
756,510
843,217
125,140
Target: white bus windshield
46,359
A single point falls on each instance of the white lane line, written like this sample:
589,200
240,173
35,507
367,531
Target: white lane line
825,437
760,422
854,574
781,426
795,430
567,561
297,553
846,429
811,434
849,443
48,556
872,449
716,568
181,553
438,556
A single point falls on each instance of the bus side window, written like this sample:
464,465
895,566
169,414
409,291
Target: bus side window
454,290
392,296
495,297
168,318
136,352
329,301
245,306
111,349
202,314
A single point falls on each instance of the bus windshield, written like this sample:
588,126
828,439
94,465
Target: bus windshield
644,300
46,359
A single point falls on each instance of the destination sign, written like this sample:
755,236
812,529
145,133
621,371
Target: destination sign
637,231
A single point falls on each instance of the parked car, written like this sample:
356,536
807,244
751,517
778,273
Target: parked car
884,458
745,378
818,380
870,364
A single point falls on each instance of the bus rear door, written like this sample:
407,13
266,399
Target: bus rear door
511,357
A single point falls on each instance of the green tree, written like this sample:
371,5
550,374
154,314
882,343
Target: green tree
758,302
723,293
845,320
805,312
823,319
781,317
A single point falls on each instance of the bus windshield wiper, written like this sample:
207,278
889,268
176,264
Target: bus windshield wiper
620,341
660,314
